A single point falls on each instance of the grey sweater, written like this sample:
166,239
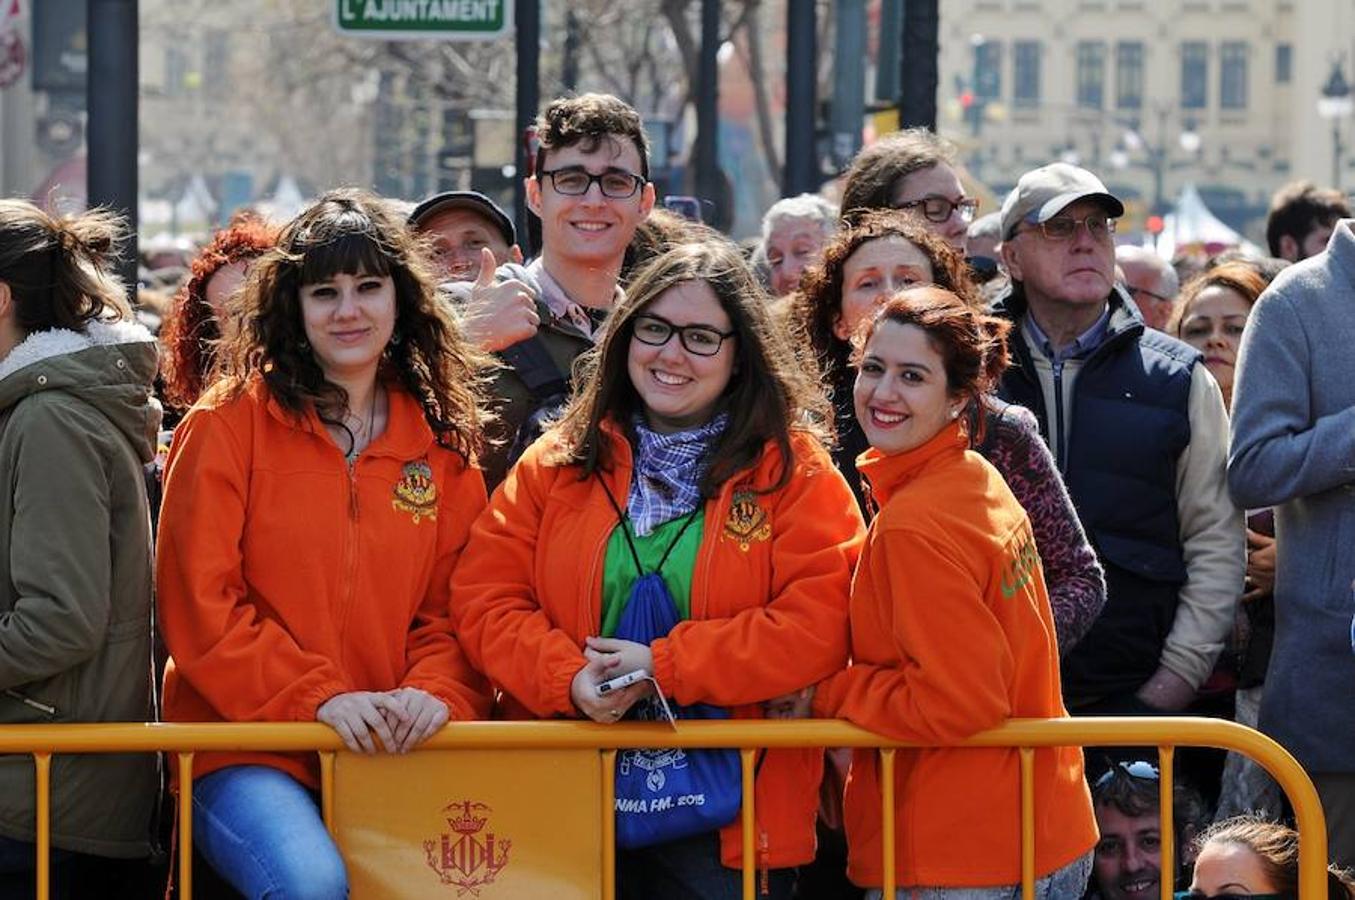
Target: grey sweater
1293,447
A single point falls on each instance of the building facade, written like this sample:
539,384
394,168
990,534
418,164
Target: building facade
1150,94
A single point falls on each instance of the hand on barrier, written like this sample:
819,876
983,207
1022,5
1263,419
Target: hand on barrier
498,315
424,715
358,714
795,705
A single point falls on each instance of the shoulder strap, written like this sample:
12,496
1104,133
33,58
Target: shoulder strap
624,521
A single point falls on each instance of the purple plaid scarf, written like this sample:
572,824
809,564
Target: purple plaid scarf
668,471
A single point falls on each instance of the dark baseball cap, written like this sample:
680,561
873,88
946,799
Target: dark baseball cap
1045,192
472,200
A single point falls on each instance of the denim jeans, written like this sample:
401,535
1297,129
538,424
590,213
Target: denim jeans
261,830
1061,884
689,869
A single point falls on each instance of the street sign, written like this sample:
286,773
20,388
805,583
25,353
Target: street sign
456,20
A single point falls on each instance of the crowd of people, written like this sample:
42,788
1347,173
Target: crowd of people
891,464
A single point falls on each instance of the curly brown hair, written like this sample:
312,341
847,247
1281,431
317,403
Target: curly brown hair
191,330
772,395
354,232
815,309
588,120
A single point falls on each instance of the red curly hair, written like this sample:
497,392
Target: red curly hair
191,331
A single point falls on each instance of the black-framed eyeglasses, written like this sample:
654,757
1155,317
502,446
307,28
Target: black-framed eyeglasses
574,181
939,209
699,339
1200,895
1063,228
1137,769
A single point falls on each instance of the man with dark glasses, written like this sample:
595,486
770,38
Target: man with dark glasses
1128,860
591,190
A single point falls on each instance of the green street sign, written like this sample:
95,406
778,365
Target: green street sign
463,20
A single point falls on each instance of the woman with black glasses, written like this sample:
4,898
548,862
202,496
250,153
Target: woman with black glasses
691,452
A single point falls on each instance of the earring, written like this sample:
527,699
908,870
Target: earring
954,414
303,345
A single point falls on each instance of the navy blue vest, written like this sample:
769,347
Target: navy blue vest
1130,424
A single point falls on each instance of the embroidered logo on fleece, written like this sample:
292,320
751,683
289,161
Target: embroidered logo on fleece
415,492
1020,569
747,521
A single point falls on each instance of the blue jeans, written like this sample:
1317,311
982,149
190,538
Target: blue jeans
261,830
1070,881
689,869
18,865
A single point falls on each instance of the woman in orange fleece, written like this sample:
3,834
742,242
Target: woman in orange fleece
316,501
688,451
951,626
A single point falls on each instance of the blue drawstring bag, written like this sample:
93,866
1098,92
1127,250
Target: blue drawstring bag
667,794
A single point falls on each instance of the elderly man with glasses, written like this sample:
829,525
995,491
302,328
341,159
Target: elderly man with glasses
1138,428
1150,281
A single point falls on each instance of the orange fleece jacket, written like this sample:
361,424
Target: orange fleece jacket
951,635
285,579
769,605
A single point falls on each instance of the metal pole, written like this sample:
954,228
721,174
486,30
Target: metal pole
801,173
706,158
891,36
849,81
918,67
569,69
527,36
112,136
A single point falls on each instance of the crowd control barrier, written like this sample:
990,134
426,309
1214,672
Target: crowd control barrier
499,810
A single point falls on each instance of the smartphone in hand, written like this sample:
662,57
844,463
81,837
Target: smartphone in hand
622,681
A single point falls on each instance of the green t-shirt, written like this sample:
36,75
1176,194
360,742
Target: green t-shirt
618,567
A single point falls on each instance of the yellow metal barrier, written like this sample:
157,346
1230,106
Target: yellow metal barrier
41,741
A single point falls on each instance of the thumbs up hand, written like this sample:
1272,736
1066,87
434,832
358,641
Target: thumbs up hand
498,315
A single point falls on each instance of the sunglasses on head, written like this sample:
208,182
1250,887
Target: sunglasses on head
1136,769
1200,895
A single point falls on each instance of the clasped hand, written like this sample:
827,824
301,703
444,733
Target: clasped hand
400,719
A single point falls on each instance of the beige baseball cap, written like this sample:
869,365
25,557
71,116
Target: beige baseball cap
1044,192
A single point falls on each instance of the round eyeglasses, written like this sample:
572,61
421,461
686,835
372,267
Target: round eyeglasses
699,339
574,181
939,209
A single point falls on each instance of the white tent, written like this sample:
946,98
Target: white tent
1191,224
287,201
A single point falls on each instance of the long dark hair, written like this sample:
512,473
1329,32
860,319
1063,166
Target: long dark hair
355,232
56,266
770,394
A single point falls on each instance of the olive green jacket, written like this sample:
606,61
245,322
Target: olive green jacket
76,426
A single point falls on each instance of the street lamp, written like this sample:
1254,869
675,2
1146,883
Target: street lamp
1335,104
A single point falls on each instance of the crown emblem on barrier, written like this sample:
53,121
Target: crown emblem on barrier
470,856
